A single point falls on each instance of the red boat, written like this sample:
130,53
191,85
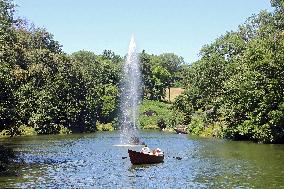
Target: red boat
138,158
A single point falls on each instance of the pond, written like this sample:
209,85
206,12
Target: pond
94,161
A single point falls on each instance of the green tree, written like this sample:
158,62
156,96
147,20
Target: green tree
237,84
159,73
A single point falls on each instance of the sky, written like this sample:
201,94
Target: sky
160,26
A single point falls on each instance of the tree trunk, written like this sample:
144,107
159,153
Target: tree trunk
169,94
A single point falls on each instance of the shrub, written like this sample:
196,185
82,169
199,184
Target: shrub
4,133
158,115
64,130
26,131
197,124
104,127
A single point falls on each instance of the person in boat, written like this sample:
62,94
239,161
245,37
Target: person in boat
158,152
145,150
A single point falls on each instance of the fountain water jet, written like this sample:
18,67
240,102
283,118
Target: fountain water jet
130,96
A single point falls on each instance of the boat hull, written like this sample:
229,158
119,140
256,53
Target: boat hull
138,158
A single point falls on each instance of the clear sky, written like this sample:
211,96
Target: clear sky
178,26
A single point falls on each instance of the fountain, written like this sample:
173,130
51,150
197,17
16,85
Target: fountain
130,96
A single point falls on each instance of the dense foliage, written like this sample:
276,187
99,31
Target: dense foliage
158,115
43,90
236,89
160,72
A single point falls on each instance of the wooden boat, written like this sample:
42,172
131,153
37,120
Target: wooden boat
138,158
180,131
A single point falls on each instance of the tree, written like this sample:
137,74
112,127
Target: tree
7,37
47,90
159,73
278,4
237,84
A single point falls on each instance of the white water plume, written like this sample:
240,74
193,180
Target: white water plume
130,95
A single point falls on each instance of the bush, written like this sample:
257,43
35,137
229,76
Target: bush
105,127
214,130
4,133
197,124
64,130
26,131
158,115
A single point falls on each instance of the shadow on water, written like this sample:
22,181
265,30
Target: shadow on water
134,168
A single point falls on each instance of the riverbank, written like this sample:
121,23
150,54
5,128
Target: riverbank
152,115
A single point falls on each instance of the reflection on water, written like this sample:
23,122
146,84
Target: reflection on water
93,161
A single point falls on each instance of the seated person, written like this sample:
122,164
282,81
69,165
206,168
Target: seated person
146,150
158,152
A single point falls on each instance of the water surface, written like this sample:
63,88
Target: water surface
94,161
